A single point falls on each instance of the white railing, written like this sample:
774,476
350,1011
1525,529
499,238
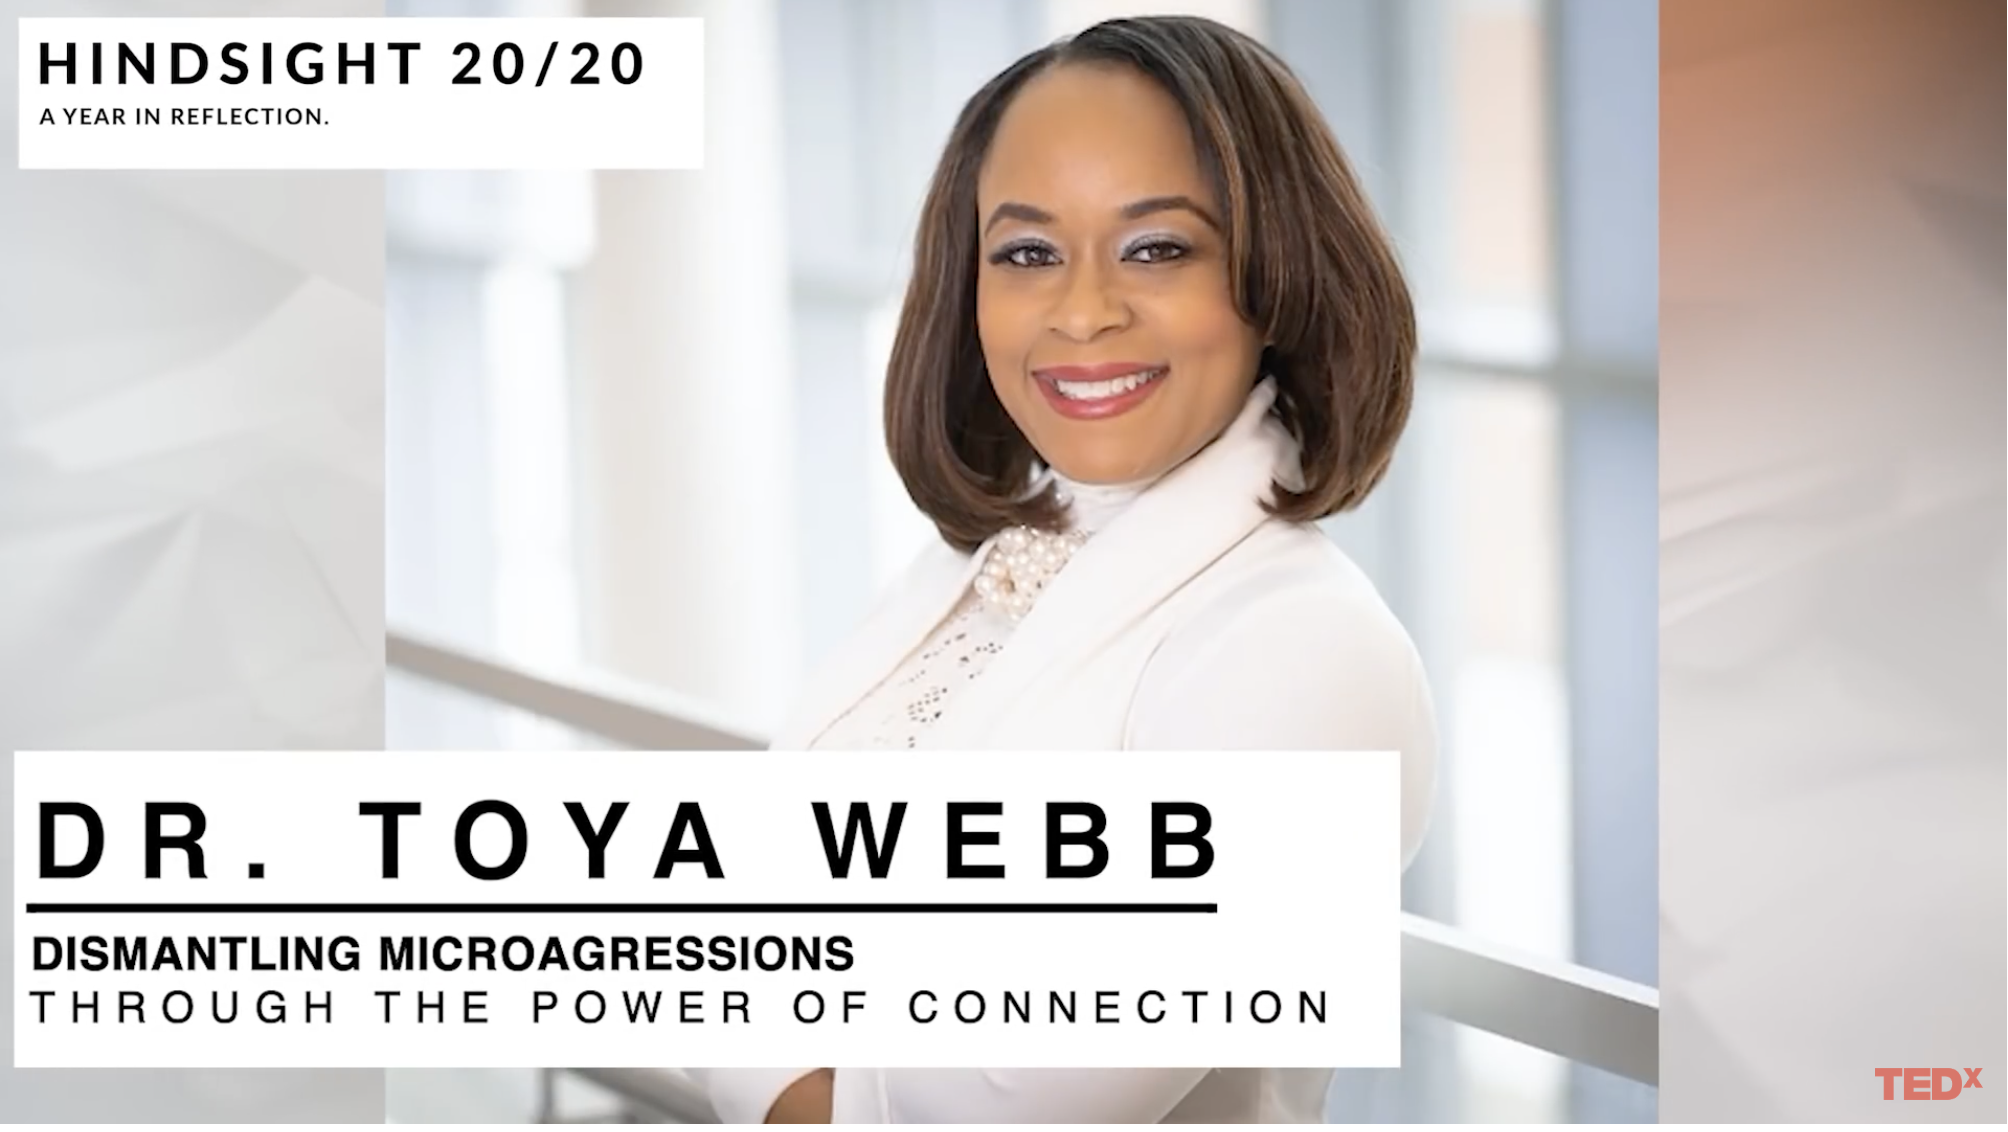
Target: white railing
652,1096
631,715
1571,1011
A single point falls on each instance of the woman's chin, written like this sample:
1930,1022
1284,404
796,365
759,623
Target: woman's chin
1103,467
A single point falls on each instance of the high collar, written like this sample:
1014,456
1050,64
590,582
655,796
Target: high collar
1093,506
1159,540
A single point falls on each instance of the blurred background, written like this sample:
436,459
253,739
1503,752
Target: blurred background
633,437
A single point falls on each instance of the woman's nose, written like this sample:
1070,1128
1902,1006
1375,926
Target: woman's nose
1088,305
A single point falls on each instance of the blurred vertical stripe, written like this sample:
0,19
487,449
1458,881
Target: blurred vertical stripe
191,501
1832,503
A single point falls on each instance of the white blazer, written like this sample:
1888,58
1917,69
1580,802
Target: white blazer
1193,620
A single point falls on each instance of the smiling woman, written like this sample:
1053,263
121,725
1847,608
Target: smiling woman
1147,188
1153,333
1068,283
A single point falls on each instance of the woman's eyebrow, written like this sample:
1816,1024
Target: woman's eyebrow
1148,205
1016,210
1012,210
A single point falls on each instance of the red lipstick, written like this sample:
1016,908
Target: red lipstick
1101,390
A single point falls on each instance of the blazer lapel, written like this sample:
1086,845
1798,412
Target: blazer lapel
1166,537
911,609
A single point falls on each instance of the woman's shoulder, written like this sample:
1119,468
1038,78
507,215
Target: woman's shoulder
1287,618
1291,574
1285,644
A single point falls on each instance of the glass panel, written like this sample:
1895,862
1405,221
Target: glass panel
1474,206
1487,617
535,566
438,545
1065,17
1454,1074
1609,76
1612,449
479,485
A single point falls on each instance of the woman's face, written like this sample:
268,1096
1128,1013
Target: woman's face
1102,295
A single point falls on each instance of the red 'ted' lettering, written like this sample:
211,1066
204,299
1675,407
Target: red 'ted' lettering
1927,1084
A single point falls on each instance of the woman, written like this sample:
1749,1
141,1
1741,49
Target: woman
1153,333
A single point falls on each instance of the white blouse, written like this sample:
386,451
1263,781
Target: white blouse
897,713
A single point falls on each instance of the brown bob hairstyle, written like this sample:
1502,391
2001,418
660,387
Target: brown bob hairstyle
1310,268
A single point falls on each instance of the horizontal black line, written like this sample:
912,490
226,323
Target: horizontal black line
1100,909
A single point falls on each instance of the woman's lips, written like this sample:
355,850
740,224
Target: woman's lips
1098,392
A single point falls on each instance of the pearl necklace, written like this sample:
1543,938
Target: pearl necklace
1021,565
1023,560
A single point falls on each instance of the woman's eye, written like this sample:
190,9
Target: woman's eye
1025,255
1157,251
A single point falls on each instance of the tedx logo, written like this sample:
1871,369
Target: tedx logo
1927,1084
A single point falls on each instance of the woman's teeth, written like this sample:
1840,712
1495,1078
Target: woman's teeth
1113,387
